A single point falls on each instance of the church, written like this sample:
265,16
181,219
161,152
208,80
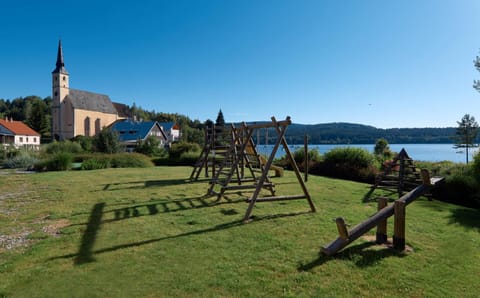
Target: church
77,112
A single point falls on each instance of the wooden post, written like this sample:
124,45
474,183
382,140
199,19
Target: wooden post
399,225
381,235
305,159
342,228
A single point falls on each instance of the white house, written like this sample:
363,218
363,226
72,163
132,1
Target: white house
18,134
172,131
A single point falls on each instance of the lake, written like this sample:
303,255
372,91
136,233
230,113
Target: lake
425,152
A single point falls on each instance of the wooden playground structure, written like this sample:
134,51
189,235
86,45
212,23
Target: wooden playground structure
379,219
400,175
231,156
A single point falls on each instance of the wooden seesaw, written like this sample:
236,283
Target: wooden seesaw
379,219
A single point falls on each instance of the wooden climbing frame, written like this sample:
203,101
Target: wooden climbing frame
240,155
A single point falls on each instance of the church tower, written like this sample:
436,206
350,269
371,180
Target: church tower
60,90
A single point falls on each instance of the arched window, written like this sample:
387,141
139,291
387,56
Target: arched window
86,126
98,126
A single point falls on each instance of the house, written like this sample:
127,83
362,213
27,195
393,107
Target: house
130,132
77,112
18,134
172,131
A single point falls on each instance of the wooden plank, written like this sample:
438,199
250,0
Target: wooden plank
278,198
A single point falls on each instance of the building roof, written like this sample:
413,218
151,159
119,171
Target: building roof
122,109
167,125
16,128
129,130
90,101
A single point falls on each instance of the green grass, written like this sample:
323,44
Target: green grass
149,232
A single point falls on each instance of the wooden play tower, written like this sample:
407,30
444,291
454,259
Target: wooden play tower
240,166
400,175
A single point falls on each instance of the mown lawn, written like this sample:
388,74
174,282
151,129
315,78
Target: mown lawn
150,232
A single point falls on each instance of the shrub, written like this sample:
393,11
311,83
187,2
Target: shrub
177,149
475,166
459,188
85,142
63,146
150,147
22,160
347,163
313,155
130,160
349,156
61,161
107,141
96,164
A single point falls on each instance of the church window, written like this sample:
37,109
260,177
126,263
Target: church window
56,93
98,126
64,78
86,126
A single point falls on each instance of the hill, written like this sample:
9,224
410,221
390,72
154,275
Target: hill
350,133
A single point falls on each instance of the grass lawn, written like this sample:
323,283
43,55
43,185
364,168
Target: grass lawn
150,232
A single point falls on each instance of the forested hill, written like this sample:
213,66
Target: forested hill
348,133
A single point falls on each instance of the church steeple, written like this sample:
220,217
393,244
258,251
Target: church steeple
60,66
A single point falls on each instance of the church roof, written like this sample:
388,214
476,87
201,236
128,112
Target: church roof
60,65
16,128
90,101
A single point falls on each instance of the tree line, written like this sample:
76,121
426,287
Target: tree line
36,112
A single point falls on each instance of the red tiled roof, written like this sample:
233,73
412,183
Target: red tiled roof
18,128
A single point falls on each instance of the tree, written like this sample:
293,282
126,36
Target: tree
150,146
476,83
382,149
220,120
466,133
107,141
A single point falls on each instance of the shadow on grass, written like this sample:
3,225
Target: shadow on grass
359,254
159,206
144,184
86,252
469,218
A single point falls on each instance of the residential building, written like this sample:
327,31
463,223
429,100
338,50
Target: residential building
18,134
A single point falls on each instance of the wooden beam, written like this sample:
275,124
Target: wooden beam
381,235
373,221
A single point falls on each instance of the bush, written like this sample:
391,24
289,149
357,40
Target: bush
61,161
85,142
350,156
96,164
107,141
347,163
22,160
130,160
63,146
459,188
150,147
313,155
177,149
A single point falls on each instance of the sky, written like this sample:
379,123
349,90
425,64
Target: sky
375,62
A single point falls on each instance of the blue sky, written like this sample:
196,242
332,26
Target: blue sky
376,62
